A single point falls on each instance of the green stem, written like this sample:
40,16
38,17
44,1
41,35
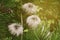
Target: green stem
21,19
21,22
22,25
22,37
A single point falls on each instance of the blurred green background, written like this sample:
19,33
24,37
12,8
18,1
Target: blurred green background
49,14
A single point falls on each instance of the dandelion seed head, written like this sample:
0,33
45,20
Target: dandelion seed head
33,21
30,8
15,29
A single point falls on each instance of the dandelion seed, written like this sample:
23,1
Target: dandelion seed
33,21
15,29
30,8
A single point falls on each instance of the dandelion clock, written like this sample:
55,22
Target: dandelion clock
30,8
15,29
33,21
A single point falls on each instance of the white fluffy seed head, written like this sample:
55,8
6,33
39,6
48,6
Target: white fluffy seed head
30,8
33,21
15,29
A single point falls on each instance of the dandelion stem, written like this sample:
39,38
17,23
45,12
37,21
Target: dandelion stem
22,25
21,21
